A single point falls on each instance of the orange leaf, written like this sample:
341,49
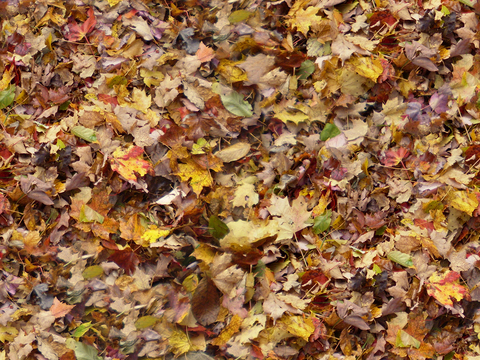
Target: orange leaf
204,53
128,163
59,309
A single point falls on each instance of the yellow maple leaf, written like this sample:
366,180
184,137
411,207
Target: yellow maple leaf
298,326
464,201
128,162
197,177
367,67
304,19
445,287
140,100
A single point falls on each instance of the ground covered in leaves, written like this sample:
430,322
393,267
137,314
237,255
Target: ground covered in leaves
239,180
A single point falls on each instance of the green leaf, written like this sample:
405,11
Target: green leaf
82,329
61,145
322,222
306,69
468,3
92,271
433,205
401,258
377,269
235,103
64,106
217,228
404,339
381,231
239,16
145,322
7,96
84,133
85,352
329,131
117,80
87,215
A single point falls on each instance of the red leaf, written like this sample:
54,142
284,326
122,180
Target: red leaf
126,259
77,33
393,158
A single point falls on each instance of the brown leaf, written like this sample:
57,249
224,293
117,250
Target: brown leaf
206,302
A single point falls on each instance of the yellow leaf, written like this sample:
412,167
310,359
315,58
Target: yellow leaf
296,117
322,204
152,236
197,176
7,333
205,253
229,70
7,77
151,78
232,328
244,234
141,101
464,201
366,67
179,342
128,162
445,287
303,19
298,326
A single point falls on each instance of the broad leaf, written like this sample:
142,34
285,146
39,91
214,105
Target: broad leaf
235,103
7,96
329,131
84,133
400,258
322,222
217,228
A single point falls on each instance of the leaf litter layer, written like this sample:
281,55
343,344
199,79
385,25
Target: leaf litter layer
243,179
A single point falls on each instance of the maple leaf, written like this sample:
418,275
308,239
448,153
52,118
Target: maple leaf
126,259
290,218
195,175
77,33
445,288
129,163
60,309
303,19
393,158
464,201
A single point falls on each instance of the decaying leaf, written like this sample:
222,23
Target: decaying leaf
206,302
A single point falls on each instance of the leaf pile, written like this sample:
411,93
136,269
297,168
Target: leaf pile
239,180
